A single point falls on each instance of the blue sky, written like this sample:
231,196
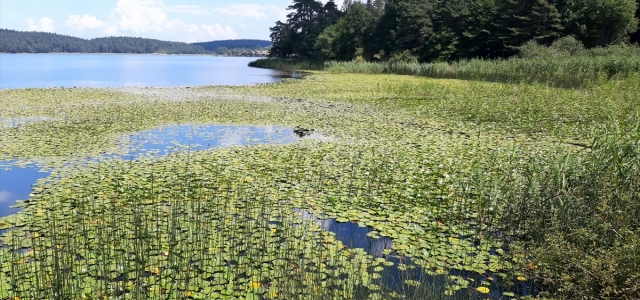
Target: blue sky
173,20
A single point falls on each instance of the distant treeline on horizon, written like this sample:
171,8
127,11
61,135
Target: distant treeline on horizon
13,41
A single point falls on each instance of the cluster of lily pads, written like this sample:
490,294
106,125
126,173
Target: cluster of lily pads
172,229
224,223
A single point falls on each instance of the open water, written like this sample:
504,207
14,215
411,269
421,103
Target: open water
120,70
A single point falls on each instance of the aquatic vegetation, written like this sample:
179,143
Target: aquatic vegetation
578,71
172,228
427,163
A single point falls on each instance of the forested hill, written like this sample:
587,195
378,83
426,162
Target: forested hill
235,44
12,41
447,30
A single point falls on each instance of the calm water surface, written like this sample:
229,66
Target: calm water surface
355,236
16,182
118,70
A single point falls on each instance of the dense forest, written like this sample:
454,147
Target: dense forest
12,41
447,30
223,47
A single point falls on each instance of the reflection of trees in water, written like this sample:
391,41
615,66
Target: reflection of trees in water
351,234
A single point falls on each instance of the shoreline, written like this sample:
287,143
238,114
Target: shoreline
129,53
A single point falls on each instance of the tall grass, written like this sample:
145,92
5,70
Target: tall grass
579,217
577,71
185,226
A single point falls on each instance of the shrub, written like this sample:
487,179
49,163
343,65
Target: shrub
402,57
533,50
568,45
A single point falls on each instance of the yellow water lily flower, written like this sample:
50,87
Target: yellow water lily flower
483,290
254,284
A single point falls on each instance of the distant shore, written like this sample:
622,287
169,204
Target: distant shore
174,54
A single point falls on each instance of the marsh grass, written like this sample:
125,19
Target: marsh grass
195,226
467,177
580,214
171,234
579,71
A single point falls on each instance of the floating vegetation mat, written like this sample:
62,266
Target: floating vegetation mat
397,155
173,229
224,224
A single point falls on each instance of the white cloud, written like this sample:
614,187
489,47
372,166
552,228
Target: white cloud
218,32
88,22
85,22
253,11
147,18
4,196
141,16
245,10
45,24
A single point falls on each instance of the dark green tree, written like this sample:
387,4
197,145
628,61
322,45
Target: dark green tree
327,43
515,21
297,37
635,37
451,20
345,39
600,22
281,36
305,26
405,25
330,14
463,29
376,7
545,21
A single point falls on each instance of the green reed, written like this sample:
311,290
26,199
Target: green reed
578,71
464,176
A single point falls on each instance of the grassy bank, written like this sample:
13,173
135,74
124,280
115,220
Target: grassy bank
505,183
580,71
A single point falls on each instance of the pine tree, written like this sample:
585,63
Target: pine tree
376,7
281,35
516,23
479,35
450,21
545,21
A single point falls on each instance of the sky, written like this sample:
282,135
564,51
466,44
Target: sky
172,20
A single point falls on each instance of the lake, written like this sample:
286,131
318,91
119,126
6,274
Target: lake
241,229
16,182
118,70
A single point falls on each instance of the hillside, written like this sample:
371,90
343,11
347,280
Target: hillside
235,44
12,41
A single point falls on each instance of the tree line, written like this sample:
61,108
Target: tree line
447,30
12,41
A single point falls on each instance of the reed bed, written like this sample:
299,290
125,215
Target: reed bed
491,190
578,71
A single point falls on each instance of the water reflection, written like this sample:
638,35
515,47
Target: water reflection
169,139
394,277
119,70
290,74
351,234
16,182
